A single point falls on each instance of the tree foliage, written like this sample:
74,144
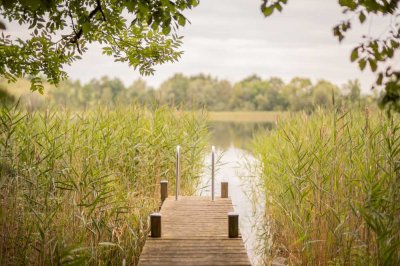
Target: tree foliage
141,33
202,91
375,53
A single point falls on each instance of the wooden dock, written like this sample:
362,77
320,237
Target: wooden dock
195,231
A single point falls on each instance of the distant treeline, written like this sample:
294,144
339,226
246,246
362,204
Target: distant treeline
204,91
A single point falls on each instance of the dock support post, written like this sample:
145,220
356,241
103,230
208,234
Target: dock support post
164,189
224,190
233,224
155,224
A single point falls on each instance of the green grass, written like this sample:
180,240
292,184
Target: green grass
77,188
242,116
332,187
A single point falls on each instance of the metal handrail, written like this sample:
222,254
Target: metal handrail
178,171
212,173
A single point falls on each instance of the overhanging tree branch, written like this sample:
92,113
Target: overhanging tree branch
143,44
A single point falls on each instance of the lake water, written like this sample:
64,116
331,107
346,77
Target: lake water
233,141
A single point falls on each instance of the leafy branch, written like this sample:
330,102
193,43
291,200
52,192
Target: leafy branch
148,40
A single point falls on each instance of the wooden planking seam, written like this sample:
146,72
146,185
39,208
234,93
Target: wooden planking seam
194,232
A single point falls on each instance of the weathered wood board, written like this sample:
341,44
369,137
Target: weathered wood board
194,232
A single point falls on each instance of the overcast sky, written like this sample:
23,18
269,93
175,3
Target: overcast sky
231,39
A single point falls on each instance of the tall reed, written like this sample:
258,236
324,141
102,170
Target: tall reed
332,188
77,188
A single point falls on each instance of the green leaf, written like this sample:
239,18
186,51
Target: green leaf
380,79
86,27
154,26
37,85
268,10
362,17
34,4
348,3
194,2
354,54
390,52
372,64
362,63
181,20
130,5
166,30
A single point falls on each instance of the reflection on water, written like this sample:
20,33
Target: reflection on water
239,135
232,141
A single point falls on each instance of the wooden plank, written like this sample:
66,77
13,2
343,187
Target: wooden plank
194,232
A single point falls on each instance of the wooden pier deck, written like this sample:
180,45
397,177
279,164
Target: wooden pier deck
194,231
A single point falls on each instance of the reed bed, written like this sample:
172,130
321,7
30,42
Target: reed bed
332,188
77,188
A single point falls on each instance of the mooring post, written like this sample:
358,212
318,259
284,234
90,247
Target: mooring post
212,172
224,190
163,189
178,170
233,224
155,224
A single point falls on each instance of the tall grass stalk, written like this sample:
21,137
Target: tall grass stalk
332,188
77,188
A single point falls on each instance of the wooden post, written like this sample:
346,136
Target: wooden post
224,190
233,224
164,189
155,224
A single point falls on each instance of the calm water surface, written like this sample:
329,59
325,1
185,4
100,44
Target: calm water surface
233,142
